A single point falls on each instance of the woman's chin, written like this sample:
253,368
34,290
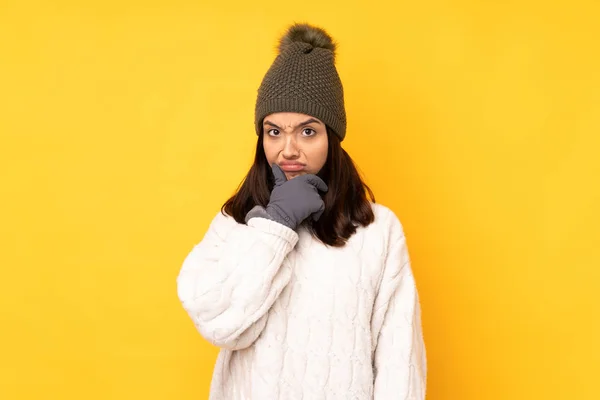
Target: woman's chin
293,174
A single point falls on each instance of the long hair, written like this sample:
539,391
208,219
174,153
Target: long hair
346,203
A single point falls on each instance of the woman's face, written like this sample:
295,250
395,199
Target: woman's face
296,142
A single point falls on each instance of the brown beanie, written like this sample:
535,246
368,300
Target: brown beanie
303,79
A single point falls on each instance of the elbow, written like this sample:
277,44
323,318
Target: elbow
228,343
214,331
225,330
224,338
219,339
223,324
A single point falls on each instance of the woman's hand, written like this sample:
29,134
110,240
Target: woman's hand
295,200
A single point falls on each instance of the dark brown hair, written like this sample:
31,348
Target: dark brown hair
346,203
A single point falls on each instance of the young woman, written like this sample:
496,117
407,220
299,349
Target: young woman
303,282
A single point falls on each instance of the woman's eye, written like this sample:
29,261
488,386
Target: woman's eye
308,132
273,132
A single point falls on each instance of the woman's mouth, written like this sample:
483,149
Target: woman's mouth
292,167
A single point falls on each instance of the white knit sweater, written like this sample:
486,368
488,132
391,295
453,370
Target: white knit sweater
296,319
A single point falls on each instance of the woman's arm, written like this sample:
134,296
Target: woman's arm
231,278
399,360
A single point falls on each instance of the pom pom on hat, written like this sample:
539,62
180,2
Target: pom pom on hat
313,35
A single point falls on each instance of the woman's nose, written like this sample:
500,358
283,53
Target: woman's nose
290,149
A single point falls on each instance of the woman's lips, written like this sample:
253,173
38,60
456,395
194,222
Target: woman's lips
292,167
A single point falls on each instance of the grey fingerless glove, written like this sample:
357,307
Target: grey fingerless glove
292,201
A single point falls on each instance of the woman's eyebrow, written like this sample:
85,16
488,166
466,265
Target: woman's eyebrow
308,121
270,123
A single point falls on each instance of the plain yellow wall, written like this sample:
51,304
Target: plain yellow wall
125,125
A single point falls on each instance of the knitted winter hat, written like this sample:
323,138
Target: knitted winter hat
303,79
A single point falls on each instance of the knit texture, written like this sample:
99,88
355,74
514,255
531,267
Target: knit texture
303,78
296,319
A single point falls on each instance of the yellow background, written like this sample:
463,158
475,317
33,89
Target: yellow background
125,125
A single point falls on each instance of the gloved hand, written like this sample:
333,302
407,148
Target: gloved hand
295,200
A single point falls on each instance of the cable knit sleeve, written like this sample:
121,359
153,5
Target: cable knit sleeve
229,280
399,361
